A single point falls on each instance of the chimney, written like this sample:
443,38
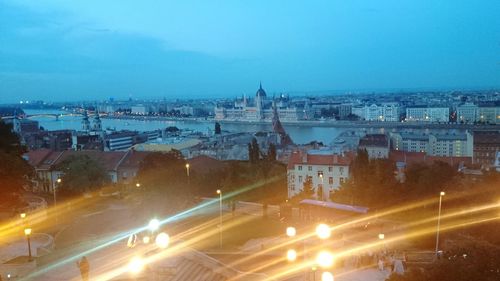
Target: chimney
335,158
304,157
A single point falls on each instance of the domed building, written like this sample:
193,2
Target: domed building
259,109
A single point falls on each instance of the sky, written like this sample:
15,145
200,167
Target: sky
58,50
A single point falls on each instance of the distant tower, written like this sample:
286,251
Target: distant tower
260,96
97,121
85,121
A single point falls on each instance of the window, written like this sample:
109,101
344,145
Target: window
341,180
300,179
330,180
341,170
309,168
320,174
330,169
300,168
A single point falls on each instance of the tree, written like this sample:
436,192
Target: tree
163,177
253,151
14,170
271,152
217,128
82,174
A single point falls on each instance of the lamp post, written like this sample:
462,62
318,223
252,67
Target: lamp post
441,194
27,232
58,181
220,217
187,171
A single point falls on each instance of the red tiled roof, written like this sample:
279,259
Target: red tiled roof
35,157
203,164
317,159
133,159
48,159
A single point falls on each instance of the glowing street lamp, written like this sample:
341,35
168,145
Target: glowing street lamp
146,239
138,185
22,215
162,240
220,217
441,194
327,276
291,231
153,225
291,255
27,232
381,236
187,171
135,265
325,259
323,231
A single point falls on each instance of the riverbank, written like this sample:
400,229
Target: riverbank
318,123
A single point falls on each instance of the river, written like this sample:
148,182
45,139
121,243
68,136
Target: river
299,134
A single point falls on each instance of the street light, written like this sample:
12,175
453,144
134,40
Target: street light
327,276
59,180
291,231
325,259
441,194
22,215
291,255
162,240
381,236
138,185
27,232
323,231
135,265
220,217
153,225
187,171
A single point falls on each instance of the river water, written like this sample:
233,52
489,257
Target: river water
299,134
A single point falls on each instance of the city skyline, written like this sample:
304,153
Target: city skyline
65,51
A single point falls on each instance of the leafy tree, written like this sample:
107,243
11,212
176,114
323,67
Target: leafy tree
81,174
271,152
14,170
217,128
164,180
253,151
467,260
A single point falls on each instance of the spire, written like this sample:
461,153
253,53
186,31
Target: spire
260,85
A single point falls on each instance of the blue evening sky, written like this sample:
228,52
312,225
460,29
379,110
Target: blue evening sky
97,49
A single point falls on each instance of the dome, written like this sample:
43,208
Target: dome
260,92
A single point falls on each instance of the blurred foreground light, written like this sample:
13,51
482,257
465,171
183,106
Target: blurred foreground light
135,265
218,191
162,240
324,259
154,224
291,231
27,231
381,236
323,231
22,215
146,239
327,276
291,255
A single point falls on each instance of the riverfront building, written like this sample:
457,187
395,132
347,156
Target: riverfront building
260,109
428,114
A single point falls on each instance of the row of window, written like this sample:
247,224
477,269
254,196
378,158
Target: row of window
330,169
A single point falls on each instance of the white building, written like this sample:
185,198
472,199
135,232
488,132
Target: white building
389,112
327,171
467,113
448,145
489,113
140,109
428,114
